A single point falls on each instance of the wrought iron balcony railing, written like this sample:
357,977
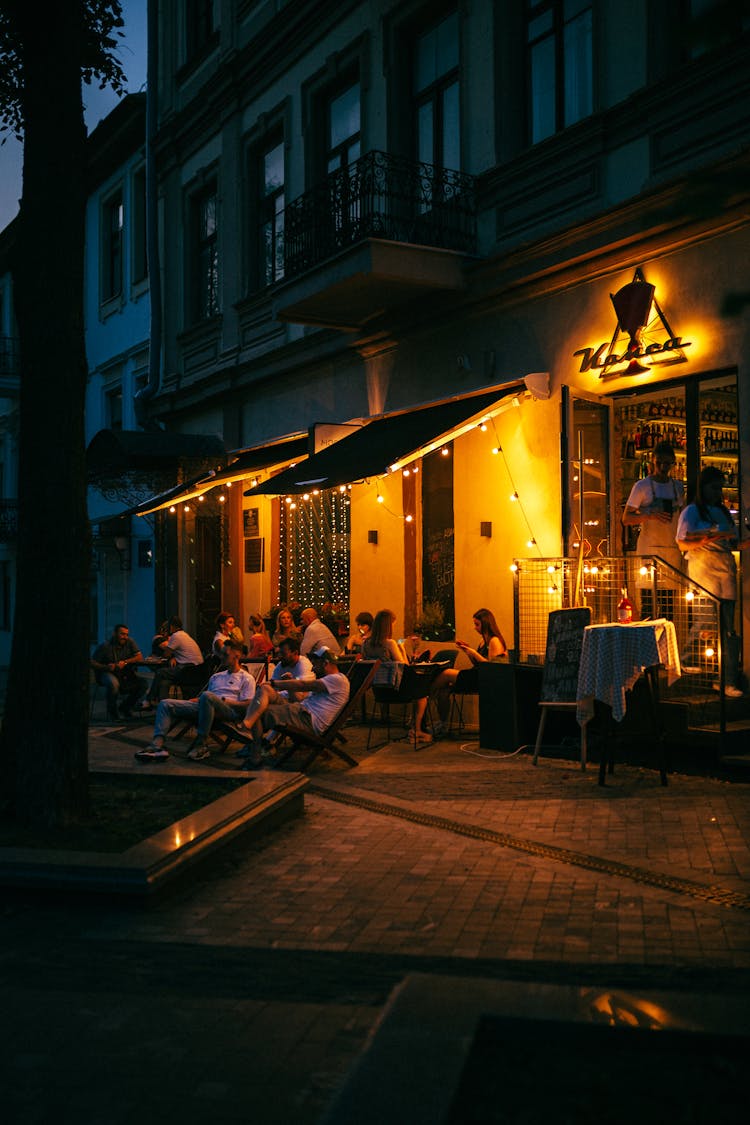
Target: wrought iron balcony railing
8,521
380,196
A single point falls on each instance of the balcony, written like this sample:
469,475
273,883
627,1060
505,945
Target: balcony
379,232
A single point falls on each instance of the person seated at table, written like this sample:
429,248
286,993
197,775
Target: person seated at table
316,633
380,645
359,634
183,655
259,644
158,639
226,628
226,697
114,664
466,680
285,627
291,666
324,696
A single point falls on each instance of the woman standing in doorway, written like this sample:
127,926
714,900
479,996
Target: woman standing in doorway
707,534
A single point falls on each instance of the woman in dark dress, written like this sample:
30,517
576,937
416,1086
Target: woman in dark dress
491,647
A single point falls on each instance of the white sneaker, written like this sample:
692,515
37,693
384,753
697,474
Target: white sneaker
730,691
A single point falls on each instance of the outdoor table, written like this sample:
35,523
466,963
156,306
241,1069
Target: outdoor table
613,658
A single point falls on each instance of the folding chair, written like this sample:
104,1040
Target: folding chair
360,678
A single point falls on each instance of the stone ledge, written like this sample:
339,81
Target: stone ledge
415,1067
267,799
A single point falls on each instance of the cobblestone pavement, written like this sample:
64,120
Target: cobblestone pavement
247,993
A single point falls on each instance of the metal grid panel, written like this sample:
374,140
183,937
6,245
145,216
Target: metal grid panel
655,589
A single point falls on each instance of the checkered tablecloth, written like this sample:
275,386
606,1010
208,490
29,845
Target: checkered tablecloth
613,657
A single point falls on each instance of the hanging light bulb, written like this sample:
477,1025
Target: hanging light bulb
445,451
186,508
380,499
172,509
201,498
513,496
496,450
409,519
531,542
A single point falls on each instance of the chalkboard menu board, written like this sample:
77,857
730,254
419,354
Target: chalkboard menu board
563,655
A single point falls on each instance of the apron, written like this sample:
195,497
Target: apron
659,539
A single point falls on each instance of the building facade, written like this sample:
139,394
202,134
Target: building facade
372,210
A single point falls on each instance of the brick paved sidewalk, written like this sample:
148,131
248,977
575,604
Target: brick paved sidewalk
247,993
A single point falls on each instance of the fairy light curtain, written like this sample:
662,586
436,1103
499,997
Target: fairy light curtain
314,534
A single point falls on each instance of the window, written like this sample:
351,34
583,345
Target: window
343,128
140,261
436,95
560,65
713,23
271,212
200,25
205,255
114,408
112,223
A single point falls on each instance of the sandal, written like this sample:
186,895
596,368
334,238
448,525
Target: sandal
419,736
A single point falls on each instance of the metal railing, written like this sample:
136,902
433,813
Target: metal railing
655,588
380,196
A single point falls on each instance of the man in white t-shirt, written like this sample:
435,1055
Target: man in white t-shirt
324,698
316,634
226,697
184,656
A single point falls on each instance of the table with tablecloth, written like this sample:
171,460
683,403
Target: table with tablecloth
613,657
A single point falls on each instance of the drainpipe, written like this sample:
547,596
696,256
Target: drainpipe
145,394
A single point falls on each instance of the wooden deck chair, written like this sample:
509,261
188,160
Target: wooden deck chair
560,677
360,677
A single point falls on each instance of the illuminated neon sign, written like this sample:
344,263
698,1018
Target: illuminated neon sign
640,316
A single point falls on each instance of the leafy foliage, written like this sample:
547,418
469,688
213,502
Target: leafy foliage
99,63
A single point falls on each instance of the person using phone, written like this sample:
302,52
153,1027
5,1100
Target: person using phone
359,634
654,505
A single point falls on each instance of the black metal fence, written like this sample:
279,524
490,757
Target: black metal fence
380,196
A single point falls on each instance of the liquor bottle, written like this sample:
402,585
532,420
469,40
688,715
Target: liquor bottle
624,608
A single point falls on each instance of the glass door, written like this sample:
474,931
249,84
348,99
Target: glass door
586,492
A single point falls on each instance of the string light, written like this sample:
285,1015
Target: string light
514,497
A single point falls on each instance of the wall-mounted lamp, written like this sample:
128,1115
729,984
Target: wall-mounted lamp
485,529
122,546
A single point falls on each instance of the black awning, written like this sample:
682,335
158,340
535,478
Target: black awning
381,443
112,452
246,462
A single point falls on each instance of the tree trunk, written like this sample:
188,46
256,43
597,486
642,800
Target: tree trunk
44,749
